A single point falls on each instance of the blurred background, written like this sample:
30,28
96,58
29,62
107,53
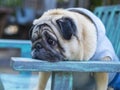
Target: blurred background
16,17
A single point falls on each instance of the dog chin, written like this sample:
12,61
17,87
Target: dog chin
49,59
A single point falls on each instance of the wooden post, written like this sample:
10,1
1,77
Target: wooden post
1,85
61,81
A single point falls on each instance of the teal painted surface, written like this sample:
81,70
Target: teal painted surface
28,64
62,81
25,48
110,16
23,45
1,85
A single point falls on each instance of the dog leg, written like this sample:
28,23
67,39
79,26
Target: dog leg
101,81
102,78
43,78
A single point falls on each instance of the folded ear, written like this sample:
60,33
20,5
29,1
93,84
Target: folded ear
67,27
30,31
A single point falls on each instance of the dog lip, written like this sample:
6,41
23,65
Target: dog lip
55,59
49,60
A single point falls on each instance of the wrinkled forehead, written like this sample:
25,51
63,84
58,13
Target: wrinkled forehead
46,22
61,25
42,25
46,19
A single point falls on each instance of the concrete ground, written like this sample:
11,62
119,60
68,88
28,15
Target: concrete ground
21,82
14,80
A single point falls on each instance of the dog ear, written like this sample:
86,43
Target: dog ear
30,31
67,27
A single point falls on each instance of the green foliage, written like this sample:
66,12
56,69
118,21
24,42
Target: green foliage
95,3
10,3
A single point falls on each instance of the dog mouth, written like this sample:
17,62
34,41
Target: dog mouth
47,56
49,59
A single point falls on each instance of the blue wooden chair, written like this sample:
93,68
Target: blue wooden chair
23,45
25,49
110,16
61,71
1,85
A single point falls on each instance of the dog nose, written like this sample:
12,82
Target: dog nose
38,46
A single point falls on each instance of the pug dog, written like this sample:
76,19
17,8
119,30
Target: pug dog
72,34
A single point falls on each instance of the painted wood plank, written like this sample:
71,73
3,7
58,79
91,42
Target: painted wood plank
61,81
111,23
1,85
23,45
28,64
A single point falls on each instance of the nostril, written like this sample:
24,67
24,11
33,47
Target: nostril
38,46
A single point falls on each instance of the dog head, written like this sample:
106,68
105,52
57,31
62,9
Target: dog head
57,35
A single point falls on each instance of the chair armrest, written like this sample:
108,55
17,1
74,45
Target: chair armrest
28,64
61,71
23,45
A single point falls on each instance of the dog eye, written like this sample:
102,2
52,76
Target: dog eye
51,41
38,46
